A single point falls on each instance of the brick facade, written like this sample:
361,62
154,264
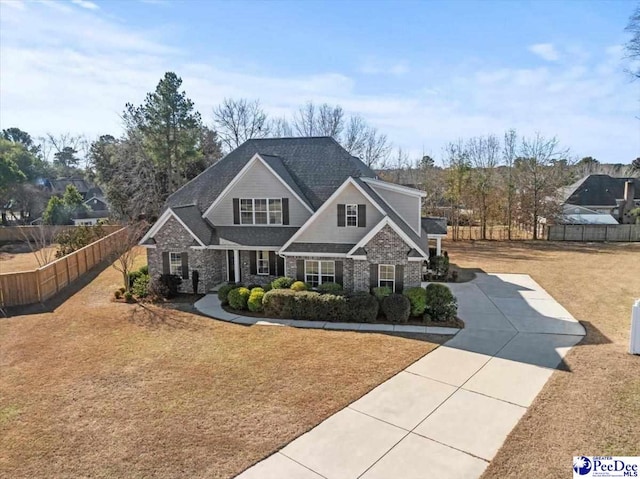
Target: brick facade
347,268
172,237
245,271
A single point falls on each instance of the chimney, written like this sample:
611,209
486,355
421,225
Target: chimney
628,202
629,193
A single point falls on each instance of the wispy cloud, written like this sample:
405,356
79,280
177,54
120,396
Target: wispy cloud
376,66
75,70
86,4
546,51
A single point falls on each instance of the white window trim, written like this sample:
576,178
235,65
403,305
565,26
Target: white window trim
393,288
319,261
262,260
253,212
347,215
171,265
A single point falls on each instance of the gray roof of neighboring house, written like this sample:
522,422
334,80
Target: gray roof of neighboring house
192,217
434,225
254,235
320,248
313,166
598,190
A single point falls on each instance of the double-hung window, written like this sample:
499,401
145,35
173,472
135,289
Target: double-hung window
246,211
260,211
175,264
262,265
351,212
318,272
387,276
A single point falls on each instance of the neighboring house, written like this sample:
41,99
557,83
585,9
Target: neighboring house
579,215
300,207
602,195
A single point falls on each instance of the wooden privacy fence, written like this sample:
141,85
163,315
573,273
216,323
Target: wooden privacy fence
10,234
626,233
38,285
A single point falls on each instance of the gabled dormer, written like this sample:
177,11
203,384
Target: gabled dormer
263,193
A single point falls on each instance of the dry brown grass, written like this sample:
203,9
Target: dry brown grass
103,390
14,262
594,408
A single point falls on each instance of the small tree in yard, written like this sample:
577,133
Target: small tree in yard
124,254
40,240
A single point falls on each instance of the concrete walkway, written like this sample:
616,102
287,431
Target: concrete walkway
447,414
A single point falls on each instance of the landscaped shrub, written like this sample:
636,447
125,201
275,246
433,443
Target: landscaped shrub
331,288
440,265
441,303
282,283
128,297
165,286
122,289
396,308
313,306
144,269
278,303
252,286
117,294
299,286
141,286
266,287
418,298
255,300
361,307
223,292
238,298
382,292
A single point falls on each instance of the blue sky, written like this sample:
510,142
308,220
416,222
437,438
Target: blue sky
425,73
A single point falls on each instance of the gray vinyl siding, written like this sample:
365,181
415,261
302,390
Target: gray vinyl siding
258,182
408,207
324,228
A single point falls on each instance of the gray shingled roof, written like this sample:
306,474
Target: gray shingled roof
434,225
254,235
317,166
402,224
192,217
320,248
598,190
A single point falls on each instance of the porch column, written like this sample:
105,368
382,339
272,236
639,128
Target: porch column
438,245
236,264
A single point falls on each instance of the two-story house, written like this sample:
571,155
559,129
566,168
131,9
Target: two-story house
298,207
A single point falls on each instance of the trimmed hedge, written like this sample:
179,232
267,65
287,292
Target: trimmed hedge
223,292
141,286
441,303
329,288
282,283
255,300
382,292
299,286
418,298
396,308
278,303
238,298
361,308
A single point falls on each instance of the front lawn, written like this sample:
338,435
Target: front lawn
102,389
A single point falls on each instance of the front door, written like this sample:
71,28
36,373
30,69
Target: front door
231,267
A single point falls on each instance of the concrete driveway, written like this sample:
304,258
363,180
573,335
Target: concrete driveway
448,413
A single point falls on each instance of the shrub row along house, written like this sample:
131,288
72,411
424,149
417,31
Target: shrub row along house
298,207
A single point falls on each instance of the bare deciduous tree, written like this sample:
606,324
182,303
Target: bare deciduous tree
304,120
41,240
509,153
541,170
330,121
375,152
239,120
124,253
483,154
633,45
355,135
280,128
457,162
